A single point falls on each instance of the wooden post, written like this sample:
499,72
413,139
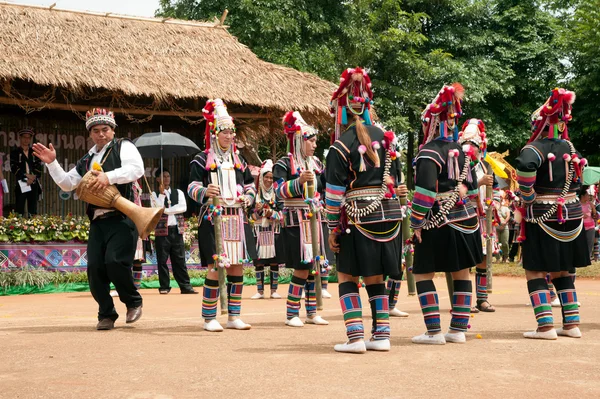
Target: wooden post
314,235
488,240
410,279
219,249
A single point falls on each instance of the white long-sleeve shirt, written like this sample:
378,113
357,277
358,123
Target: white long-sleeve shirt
180,207
132,168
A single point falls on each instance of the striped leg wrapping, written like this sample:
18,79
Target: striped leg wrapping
550,287
311,297
382,316
293,299
428,299
392,289
274,277
234,295
481,284
137,276
568,300
352,310
540,301
324,279
260,279
210,296
461,305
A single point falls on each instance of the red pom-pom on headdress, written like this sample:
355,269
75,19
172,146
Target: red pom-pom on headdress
555,114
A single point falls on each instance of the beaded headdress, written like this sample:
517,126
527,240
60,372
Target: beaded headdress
99,116
354,95
473,132
443,113
554,114
217,120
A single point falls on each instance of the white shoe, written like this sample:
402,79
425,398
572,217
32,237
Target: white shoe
550,334
237,324
555,303
458,338
258,295
398,313
573,332
294,322
213,326
325,294
436,339
114,293
318,320
275,295
351,347
378,345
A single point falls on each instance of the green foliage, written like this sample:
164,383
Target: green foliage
507,53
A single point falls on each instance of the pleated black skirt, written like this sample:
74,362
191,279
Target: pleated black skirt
361,256
447,249
544,253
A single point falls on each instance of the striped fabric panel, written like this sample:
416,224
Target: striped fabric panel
333,199
540,300
260,279
423,200
526,181
352,310
382,316
196,191
250,191
210,296
568,300
288,189
461,311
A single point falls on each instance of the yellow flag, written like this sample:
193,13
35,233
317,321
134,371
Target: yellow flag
497,167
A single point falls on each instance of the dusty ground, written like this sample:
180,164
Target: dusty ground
49,348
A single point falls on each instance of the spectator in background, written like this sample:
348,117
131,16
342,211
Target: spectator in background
27,169
169,235
589,217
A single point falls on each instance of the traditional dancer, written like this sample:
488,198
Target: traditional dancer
292,174
221,172
268,217
474,144
364,213
445,223
549,171
113,236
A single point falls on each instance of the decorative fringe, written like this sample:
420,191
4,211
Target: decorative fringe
559,210
366,117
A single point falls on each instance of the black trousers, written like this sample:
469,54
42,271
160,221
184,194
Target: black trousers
110,250
31,197
172,246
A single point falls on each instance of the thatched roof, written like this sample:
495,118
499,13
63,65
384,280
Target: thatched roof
163,60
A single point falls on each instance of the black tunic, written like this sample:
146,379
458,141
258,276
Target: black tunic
542,248
373,246
206,233
287,187
456,243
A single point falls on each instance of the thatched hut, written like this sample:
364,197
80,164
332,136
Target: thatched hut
56,64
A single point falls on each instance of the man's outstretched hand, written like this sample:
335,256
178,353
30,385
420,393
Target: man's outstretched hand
45,154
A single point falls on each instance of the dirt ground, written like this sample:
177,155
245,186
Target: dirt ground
49,348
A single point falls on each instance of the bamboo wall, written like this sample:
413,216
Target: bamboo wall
66,131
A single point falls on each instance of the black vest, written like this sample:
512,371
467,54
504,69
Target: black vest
174,197
110,161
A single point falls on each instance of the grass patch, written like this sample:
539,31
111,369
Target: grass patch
516,270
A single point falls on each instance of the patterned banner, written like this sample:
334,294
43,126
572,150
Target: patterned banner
68,257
